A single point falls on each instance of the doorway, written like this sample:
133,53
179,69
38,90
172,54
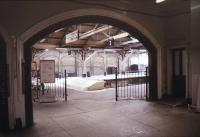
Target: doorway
179,72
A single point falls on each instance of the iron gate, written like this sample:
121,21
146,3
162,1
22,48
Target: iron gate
50,92
132,85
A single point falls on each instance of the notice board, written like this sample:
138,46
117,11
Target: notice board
47,71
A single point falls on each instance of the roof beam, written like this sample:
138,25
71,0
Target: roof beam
129,42
74,36
106,34
133,46
119,36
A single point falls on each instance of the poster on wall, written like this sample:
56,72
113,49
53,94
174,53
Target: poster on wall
47,71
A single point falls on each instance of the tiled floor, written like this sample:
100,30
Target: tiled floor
98,115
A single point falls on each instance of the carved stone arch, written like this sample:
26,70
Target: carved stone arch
38,31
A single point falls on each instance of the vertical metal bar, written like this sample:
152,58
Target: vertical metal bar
55,88
133,84
116,84
60,96
65,85
141,79
131,90
52,89
140,84
127,83
49,89
124,86
42,84
139,73
137,83
146,82
130,87
121,85
37,85
60,85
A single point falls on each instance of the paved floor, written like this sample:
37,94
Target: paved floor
98,115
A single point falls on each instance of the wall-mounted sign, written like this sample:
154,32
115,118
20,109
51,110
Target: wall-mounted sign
47,71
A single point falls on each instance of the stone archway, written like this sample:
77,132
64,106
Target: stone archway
47,26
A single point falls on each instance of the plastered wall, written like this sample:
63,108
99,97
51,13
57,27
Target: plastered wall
194,52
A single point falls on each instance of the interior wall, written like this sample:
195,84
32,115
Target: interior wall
67,62
27,23
194,51
4,93
177,36
25,14
11,73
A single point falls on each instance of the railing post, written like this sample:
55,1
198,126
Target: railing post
66,85
116,84
147,92
37,86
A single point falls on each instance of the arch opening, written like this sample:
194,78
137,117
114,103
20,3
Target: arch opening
152,53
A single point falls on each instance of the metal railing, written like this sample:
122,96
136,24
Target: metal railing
131,85
50,92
